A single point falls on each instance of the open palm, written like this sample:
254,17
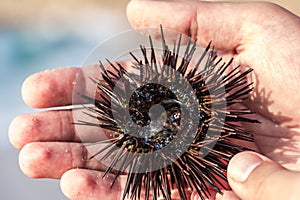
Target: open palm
51,147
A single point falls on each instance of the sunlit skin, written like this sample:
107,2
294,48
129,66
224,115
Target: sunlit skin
262,36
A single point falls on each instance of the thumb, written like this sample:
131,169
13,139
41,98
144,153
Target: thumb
197,19
253,176
204,21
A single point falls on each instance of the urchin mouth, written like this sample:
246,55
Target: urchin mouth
156,111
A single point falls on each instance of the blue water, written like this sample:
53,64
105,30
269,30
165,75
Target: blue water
25,52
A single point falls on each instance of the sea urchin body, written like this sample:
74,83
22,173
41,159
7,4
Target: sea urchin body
172,120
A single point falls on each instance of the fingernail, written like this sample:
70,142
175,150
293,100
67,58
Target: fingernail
242,165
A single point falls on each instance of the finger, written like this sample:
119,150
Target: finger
204,21
79,184
43,126
52,159
253,176
90,184
55,125
60,87
50,88
64,86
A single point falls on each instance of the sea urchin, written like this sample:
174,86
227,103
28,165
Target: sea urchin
172,120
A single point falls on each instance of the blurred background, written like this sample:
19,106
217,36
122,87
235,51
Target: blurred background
36,35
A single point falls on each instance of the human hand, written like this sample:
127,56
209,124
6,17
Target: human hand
59,148
262,36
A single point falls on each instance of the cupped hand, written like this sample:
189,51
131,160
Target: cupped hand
262,36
